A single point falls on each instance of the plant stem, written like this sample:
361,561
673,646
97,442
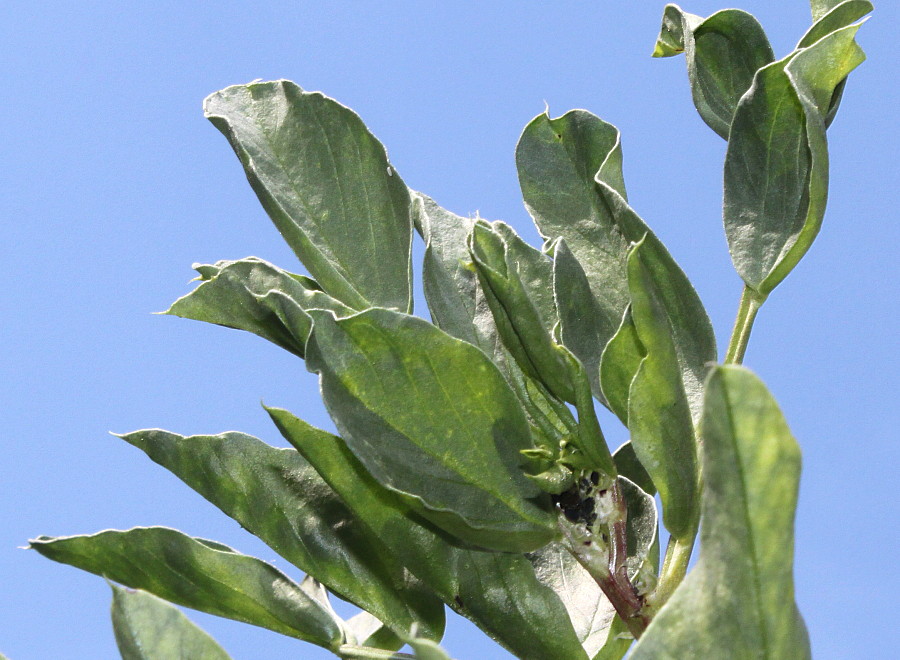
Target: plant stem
750,303
674,568
602,562
354,652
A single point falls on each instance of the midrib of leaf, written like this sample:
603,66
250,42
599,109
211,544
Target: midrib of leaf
769,139
515,329
757,588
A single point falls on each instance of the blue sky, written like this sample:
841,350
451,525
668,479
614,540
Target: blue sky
113,185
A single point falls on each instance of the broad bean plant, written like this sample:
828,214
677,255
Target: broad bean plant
469,470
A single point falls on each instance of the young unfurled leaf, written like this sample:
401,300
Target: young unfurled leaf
523,316
253,295
618,365
369,631
570,171
738,601
450,288
559,161
776,167
276,495
433,419
723,53
200,574
821,7
840,16
149,628
496,590
425,649
326,183
659,407
580,329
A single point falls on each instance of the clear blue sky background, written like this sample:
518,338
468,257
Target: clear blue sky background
113,184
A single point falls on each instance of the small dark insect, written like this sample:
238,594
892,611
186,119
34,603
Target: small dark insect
595,478
572,514
570,498
458,600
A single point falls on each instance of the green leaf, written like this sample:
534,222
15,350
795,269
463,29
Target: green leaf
200,574
821,7
326,183
659,411
511,277
425,649
618,365
578,312
723,52
751,469
253,295
618,641
458,306
559,161
589,610
642,525
369,631
433,419
496,590
276,495
628,466
450,286
570,171
840,16
776,166
149,628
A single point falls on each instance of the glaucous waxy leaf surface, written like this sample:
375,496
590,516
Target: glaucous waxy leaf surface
628,466
496,590
253,295
367,630
459,305
619,363
559,162
659,408
276,495
432,418
723,53
517,281
200,574
776,166
821,7
149,628
326,183
738,601
570,172
450,287
577,309
425,649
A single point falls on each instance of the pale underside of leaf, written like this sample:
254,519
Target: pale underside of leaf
149,628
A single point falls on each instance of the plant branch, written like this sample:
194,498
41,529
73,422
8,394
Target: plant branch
594,556
750,303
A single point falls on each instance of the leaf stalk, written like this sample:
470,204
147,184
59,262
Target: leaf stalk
750,303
